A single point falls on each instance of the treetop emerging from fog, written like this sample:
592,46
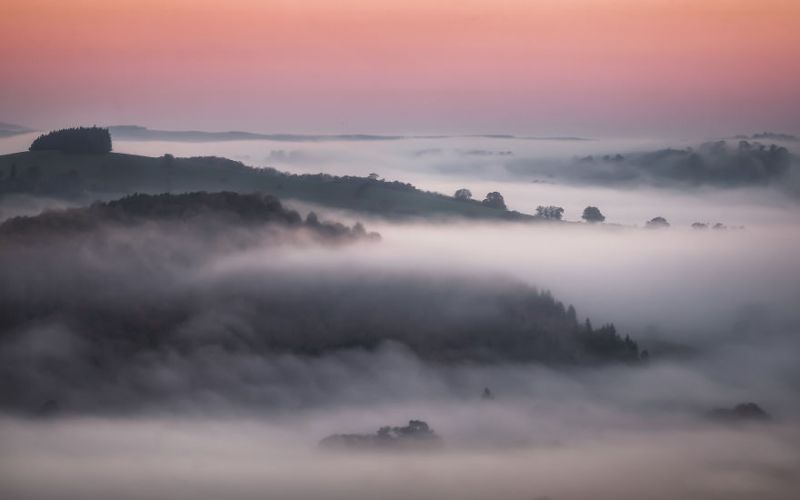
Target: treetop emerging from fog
88,140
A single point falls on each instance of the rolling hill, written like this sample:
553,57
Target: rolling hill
106,176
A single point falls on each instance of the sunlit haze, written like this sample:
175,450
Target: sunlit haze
596,67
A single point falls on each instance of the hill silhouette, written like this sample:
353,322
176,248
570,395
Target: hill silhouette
89,177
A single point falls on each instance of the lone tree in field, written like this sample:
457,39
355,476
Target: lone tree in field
92,140
550,213
657,223
593,214
494,200
463,194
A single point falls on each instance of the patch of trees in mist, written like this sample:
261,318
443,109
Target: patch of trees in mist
748,163
717,163
769,136
416,435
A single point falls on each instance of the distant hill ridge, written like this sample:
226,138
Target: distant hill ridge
10,129
139,133
89,177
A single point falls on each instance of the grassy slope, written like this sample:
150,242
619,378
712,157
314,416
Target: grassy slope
103,176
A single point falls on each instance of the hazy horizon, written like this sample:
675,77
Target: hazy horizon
586,67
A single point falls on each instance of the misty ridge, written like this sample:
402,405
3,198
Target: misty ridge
769,136
210,214
719,164
724,164
98,299
10,129
139,133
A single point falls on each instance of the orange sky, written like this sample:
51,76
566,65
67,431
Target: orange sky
571,66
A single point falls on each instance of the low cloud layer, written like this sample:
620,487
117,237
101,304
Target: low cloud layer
97,400
147,317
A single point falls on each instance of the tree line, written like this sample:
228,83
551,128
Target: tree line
590,214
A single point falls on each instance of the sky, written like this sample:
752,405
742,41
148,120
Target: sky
566,67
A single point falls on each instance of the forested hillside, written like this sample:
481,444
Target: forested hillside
200,284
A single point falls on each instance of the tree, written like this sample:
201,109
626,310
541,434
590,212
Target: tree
373,176
699,225
572,315
169,170
592,214
495,200
550,213
463,194
657,223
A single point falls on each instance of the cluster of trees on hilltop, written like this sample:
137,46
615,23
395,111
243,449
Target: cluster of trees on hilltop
492,200
590,214
86,140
